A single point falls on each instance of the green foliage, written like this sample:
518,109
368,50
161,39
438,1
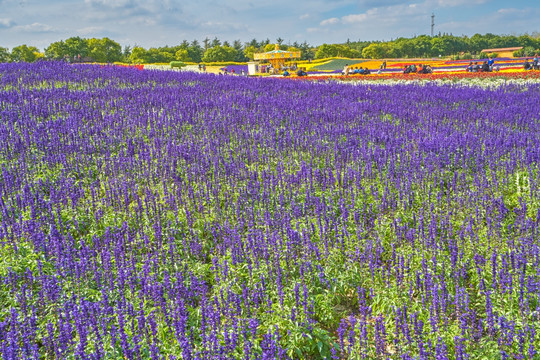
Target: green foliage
445,45
100,50
76,46
150,56
177,64
220,53
104,50
270,47
529,51
57,50
376,51
183,52
24,53
459,47
249,52
336,50
463,56
138,55
484,55
4,55
183,55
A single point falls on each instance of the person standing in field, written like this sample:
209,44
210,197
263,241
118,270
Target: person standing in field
490,63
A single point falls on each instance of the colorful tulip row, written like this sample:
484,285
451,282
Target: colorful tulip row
511,73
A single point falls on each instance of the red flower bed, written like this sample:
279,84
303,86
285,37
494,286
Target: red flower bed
139,66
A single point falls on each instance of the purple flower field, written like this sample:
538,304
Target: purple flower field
177,215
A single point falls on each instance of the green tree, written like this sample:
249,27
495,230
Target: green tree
57,50
139,55
440,46
183,55
307,51
374,51
4,55
104,50
422,46
477,43
159,55
76,46
126,53
195,51
333,50
504,41
206,44
240,56
254,43
526,41
24,53
249,52
215,42
219,53
270,47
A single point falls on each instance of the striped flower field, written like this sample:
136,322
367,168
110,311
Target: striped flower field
177,215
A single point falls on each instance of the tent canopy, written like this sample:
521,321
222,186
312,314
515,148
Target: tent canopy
277,56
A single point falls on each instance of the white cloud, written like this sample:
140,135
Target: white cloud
110,3
511,11
330,21
34,27
304,16
6,23
376,16
89,30
454,3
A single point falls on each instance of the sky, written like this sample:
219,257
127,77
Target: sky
152,23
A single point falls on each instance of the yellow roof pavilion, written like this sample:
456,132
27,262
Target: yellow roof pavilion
277,57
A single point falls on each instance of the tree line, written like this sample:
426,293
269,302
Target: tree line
445,45
107,50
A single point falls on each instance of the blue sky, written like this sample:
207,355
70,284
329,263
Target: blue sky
167,22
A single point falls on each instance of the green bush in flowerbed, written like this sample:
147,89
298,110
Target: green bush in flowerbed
177,64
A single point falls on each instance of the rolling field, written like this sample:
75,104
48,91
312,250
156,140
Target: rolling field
175,215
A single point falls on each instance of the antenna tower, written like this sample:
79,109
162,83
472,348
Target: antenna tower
432,23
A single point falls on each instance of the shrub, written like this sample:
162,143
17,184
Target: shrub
464,56
529,51
177,64
518,53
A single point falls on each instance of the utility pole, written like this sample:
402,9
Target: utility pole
432,23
